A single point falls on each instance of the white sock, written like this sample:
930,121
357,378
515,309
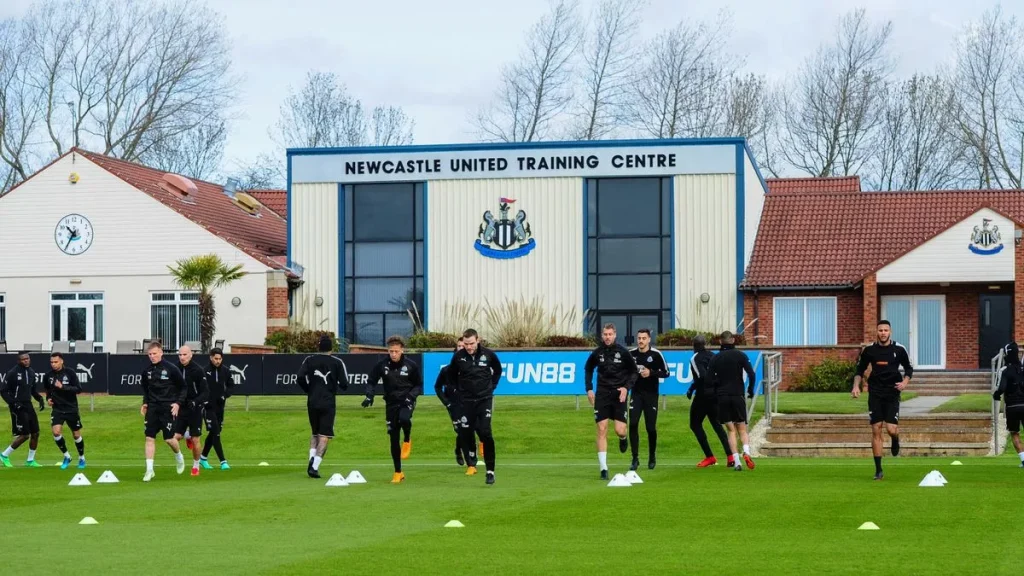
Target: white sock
31,454
602,457
736,459
202,457
316,462
149,464
195,463
66,455
1021,456
179,456
312,452
746,449
8,451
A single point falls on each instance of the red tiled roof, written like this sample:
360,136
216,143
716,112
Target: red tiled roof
264,237
276,200
832,240
832,184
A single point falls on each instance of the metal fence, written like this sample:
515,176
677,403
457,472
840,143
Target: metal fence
997,370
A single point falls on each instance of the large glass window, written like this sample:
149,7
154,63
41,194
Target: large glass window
383,260
77,317
805,321
629,254
174,318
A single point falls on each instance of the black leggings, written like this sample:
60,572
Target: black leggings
399,420
700,409
478,416
643,404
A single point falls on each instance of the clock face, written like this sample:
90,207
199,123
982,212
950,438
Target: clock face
73,234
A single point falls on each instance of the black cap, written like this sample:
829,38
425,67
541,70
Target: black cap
1011,353
325,343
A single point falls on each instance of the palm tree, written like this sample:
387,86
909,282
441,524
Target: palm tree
205,273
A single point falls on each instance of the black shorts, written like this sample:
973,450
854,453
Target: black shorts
159,419
607,405
478,415
190,419
70,417
732,409
884,409
395,414
1014,417
24,421
321,420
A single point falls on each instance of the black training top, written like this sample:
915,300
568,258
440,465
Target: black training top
402,380
615,367
885,362
726,371
475,375
65,397
162,383
653,361
702,384
19,386
321,376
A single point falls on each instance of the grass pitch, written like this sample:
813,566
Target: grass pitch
547,513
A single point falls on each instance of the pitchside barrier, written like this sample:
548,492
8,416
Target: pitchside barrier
533,373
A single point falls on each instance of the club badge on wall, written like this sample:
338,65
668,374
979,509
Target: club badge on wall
505,238
986,241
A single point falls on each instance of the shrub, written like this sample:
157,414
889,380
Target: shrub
298,341
681,337
830,375
426,340
560,341
522,324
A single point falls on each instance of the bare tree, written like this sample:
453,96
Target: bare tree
677,89
919,146
321,114
19,106
264,173
831,112
196,153
391,127
989,84
537,89
608,54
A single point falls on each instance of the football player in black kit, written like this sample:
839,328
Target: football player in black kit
62,388
321,376
219,379
475,371
403,383
190,416
885,383
643,399
18,389
616,371
1011,383
163,394
705,404
449,397
726,370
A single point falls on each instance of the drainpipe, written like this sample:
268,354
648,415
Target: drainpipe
757,318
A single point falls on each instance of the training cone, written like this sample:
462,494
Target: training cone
869,526
264,464
619,481
633,477
79,480
88,520
454,524
957,463
355,478
932,480
337,480
107,478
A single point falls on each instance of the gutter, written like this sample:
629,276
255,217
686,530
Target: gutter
798,288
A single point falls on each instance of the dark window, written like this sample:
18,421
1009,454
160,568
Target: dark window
383,260
629,254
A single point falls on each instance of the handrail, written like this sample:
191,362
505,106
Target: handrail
997,369
772,378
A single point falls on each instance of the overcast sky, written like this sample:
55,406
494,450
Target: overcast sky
440,59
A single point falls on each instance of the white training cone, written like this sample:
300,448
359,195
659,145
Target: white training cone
337,480
869,526
931,481
940,477
633,477
957,463
107,478
619,481
355,478
88,520
79,480
454,524
264,464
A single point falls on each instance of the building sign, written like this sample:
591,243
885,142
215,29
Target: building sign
984,240
505,238
587,162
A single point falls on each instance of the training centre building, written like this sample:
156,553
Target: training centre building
87,242
644,233
945,268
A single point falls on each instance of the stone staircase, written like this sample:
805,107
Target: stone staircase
849,435
950,383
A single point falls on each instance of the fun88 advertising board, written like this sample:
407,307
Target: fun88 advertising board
562,373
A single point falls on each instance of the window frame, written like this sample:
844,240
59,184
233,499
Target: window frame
3,317
85,299
176,303
803,330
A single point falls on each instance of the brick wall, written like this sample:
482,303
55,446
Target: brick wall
869,318
277,302
849,314
1018,294
797,359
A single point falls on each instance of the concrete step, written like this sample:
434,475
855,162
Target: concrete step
863,434
981,377
960,420
947,384
863,449
948,392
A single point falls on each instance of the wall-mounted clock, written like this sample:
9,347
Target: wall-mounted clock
73,234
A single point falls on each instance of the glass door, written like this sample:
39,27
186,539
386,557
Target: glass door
77,317
919,324
627,323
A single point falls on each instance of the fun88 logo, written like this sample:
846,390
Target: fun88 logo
542,373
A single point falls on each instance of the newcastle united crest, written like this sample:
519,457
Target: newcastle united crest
505,238
985,241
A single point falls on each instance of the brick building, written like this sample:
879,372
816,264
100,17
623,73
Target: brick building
830,260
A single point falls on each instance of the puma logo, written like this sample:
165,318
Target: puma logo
237,370
322,375
82,368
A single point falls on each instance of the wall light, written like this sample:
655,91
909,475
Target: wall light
236,301
1017,235
319,301
705,298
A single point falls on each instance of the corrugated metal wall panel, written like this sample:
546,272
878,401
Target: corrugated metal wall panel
459,273
705,258
314,216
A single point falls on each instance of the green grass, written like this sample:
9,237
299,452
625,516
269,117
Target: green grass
827,402
966,403
548,512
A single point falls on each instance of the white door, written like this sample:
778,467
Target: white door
919,324
77,317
